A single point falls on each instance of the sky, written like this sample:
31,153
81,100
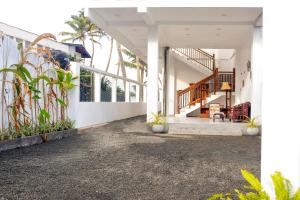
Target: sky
48,16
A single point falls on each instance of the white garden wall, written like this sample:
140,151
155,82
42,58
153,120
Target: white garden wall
243,92
92,113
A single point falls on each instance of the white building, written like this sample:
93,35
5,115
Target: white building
154,30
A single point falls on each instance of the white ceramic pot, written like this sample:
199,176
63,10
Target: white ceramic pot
166,128
158,128
252,131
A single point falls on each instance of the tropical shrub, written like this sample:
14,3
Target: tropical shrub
39,98
251,122
157,119
255,191
40,129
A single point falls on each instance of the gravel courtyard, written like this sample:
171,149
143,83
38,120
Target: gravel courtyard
123,160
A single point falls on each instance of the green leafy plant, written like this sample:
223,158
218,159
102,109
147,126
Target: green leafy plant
157,119
41,129
251,122
255,191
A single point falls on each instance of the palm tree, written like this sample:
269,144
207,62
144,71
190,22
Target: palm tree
83,30
110,53
135,62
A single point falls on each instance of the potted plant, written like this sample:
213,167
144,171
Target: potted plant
252,127
159,123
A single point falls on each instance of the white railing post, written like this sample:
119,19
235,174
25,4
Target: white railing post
114,90
127,91
97,87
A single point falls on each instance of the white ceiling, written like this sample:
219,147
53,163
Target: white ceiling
217,28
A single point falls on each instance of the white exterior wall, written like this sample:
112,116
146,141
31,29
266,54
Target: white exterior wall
185,75
281,130
92,113
179,75
225,58
243,93
30,37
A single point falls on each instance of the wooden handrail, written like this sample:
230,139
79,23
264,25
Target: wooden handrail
209,55
198,92
199,56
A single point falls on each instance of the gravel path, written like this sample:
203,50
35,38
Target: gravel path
123,160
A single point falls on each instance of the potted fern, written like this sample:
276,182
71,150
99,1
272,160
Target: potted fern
158,123
252,127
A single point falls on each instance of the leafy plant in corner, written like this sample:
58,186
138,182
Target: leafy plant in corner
251,122
255,191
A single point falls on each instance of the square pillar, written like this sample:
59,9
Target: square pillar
280,99
256,65
171,86
153,64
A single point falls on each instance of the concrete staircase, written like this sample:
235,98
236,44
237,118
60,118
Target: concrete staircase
195,109
205,127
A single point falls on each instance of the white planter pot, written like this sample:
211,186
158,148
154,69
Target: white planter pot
252,131
158,128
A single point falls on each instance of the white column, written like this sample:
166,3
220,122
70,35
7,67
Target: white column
257,65
74,94
114,90
171,86
153,63
280,99
97,87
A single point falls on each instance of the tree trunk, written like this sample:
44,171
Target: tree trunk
93,52
121,62
110,54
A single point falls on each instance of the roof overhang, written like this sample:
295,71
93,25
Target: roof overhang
202,24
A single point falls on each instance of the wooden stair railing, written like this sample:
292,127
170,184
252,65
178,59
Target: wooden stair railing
199,56
198,92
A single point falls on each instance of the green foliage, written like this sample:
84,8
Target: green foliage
255,191
30,130
157,119
251,122
26,114
44,117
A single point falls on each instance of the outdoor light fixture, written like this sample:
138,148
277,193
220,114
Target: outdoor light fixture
226,87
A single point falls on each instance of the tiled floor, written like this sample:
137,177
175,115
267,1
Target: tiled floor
205,126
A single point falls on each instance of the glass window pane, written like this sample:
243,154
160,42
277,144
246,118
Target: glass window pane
106,89
120,91
132,92
86,86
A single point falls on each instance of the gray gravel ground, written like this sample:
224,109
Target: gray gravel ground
123,160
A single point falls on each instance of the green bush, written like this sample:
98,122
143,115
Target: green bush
30,130
255,191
